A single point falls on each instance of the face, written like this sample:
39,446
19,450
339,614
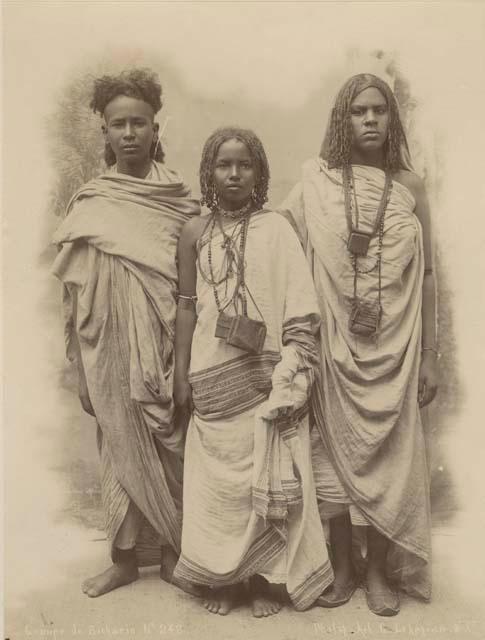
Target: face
369,116
130,130
234,174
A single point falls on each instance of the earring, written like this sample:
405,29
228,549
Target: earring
158,145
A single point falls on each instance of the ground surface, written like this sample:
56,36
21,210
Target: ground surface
150,609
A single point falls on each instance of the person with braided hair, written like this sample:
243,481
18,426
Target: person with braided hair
117,263
363,217
245,353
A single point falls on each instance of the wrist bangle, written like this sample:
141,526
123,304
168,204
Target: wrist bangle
438,354
191,298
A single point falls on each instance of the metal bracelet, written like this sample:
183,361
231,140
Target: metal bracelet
191,298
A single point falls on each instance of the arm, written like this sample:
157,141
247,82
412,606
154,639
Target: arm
82,382
293,376
186,317
428,374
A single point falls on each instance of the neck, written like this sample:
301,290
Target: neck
370,159
138,170
231,206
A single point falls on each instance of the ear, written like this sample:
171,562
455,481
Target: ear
104,129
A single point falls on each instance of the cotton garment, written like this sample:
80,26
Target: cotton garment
370,453
249,496
118,246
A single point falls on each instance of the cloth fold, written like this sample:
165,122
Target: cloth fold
278,458
118,246
249,497
365,402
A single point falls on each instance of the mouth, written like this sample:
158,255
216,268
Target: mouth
371,134
130,147
234,187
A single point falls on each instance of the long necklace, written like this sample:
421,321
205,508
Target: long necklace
232,263
358,241
365,315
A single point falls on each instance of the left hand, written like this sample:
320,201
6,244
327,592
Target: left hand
428,378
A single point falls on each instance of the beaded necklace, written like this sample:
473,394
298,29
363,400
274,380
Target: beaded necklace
358,242
364,312
233,265
235,213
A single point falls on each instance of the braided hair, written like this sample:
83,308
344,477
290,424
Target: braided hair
140,83
337,145
209,155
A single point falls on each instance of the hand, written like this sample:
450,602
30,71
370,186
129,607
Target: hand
428,378
182,395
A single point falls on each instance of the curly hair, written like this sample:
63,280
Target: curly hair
209,154
337,144
142,84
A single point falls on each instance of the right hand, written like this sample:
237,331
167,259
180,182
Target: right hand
182,394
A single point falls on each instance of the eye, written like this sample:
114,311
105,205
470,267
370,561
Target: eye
357,111
381,110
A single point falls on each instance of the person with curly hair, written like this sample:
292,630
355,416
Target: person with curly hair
117,262
245,352
363,217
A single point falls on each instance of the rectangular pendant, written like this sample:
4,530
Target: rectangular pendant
358,243
365,317
223,325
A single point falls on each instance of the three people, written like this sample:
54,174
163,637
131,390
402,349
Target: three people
117,262
247,359
363,217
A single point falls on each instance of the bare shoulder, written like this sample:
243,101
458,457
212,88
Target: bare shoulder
412,181
193,229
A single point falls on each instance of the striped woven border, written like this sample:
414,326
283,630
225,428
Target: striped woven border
235,386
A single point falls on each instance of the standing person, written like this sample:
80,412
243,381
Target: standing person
364,220
246,324
117,263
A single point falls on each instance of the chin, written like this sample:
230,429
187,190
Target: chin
237,202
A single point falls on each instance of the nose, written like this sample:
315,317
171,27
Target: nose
234,175
128,132
370,117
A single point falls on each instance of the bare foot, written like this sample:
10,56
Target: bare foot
263,603
169,560
222,601
116,576
264,606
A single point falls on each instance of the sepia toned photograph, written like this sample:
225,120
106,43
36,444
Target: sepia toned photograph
242,300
